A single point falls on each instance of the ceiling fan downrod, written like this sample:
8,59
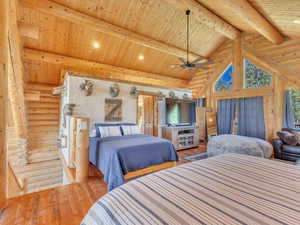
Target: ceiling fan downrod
187,12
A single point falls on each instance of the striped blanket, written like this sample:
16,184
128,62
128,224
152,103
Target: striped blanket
227,189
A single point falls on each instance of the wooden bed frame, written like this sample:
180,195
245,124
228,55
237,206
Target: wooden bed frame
149,169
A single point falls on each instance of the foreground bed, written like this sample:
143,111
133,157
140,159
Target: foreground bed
116,156
227,189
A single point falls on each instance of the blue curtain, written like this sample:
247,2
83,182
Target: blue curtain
226,109
288,112
251,117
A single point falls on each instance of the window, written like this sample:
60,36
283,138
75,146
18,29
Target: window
295,96
224,83
256,77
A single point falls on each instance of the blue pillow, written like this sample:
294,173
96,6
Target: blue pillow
97,125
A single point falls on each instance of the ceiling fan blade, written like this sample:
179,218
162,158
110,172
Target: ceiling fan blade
182,60
197,59
208,62
202,67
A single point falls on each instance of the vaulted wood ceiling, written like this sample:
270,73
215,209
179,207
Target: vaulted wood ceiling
162,21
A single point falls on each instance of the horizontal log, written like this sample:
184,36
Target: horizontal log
105,71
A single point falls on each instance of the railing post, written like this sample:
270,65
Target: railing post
82,150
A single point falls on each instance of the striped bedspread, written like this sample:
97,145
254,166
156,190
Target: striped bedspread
227,189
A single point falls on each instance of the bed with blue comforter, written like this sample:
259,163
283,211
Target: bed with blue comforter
116,156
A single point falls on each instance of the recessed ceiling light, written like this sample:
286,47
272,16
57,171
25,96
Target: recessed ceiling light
141,57
297,21
96,44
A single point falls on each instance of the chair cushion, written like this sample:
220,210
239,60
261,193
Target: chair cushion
297,135
291,149
287,137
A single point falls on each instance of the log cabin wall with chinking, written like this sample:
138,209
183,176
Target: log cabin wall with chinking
134,42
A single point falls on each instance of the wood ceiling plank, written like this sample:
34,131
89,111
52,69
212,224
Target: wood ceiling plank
102,26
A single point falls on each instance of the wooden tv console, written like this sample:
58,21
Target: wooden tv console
182,137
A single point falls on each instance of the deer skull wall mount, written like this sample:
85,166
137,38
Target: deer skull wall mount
114,90
87,87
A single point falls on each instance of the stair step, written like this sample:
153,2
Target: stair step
43,185
42,144
43,128
42,110
51,105
43,122
34,157
39,86
43,117
39,166
41,133
46,148
39,178
42,139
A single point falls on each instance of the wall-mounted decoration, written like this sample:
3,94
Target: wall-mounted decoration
113,110
161,96
114,90
59,91
67,111
172,94
185,96
134,92
87,87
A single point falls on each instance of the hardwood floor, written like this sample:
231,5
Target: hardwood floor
65,205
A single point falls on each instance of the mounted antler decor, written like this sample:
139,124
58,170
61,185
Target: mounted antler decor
185,96
134,92
172,94
67,111
161,96
87,87
114,90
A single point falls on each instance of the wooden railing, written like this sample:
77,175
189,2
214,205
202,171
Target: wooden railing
297,125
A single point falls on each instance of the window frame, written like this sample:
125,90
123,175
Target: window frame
221,74
244,75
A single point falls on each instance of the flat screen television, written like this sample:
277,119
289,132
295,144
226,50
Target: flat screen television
180,112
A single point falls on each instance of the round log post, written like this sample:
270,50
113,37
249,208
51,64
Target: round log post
82,150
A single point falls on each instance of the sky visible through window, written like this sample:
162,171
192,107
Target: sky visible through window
225,81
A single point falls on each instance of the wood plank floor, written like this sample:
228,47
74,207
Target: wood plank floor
65,205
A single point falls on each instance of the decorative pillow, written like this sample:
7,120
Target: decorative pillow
110,131
297,135
287,137
130,130
97,125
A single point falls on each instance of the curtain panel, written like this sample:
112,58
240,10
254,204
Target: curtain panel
288,111
251,121
225,115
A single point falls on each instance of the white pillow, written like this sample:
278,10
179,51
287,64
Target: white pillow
110,131
130,130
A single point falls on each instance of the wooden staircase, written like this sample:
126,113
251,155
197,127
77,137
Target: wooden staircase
44,169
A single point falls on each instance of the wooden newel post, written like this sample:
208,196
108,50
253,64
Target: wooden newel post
82,149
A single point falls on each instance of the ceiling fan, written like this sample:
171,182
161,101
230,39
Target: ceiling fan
194,65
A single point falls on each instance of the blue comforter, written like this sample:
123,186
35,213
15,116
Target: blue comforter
116,156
